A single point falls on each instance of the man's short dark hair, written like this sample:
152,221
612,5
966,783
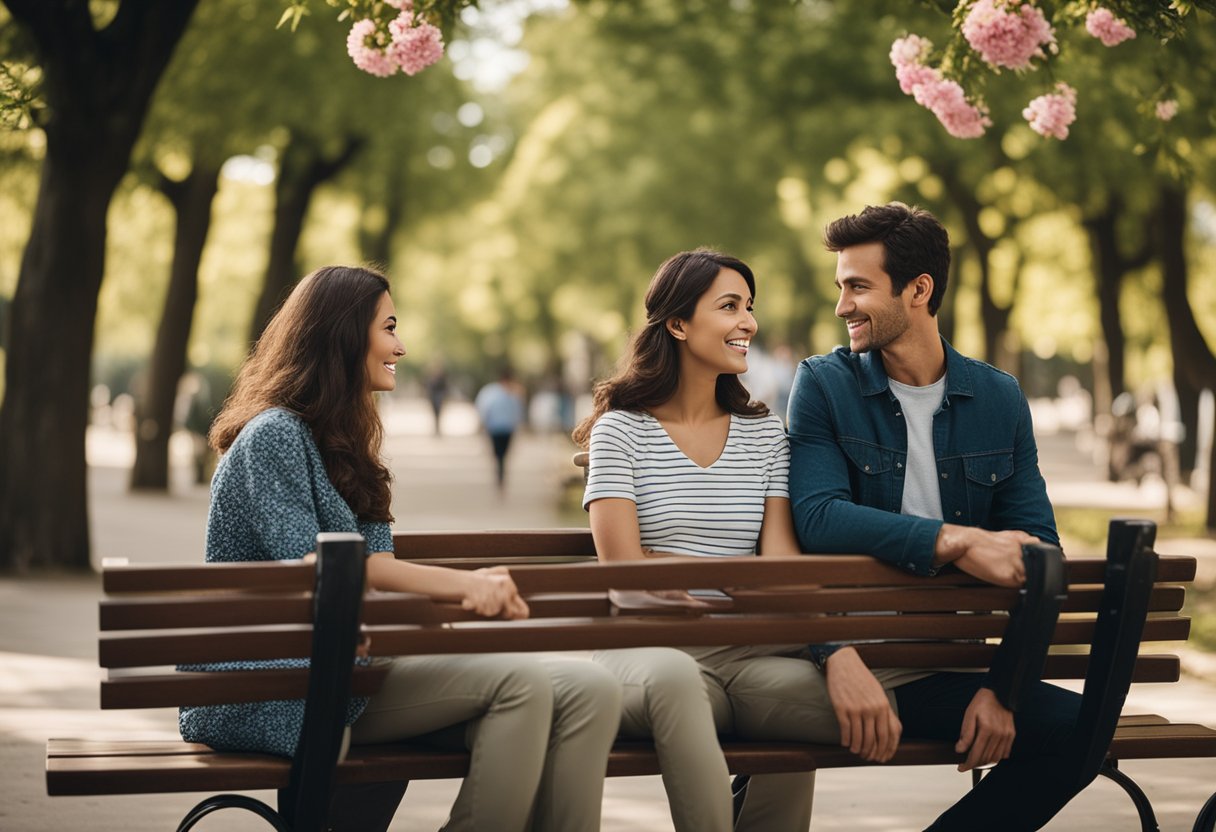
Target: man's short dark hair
913,242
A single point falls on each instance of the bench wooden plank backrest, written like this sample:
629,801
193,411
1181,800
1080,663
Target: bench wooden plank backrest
263,624
845,582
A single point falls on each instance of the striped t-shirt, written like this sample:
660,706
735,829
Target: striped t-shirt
684,508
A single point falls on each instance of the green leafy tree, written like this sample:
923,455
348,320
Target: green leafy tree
97,79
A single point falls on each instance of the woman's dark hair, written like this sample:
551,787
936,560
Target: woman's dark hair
312,361
649,372
913,242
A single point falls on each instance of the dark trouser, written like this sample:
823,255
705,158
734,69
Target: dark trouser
1021,793
365,807
500,442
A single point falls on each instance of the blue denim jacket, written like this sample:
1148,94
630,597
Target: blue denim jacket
849,446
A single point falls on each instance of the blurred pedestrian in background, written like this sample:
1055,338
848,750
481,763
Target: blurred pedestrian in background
500,404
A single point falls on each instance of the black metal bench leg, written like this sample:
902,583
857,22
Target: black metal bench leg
1148,821
233,801
1206,819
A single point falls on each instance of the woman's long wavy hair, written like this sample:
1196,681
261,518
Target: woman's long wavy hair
649,372
312,361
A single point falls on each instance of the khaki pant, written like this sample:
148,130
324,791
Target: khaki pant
539,729
684,698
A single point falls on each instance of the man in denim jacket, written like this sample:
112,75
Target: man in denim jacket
904,449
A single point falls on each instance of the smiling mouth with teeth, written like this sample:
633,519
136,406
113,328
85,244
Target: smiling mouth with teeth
739,344
392,368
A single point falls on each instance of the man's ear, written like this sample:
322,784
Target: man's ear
922,289
676,327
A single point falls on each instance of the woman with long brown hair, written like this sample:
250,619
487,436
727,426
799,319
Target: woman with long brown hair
684,463
300,437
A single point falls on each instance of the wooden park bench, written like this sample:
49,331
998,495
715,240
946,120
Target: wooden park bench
155,617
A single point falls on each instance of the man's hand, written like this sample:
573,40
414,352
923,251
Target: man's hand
995,557
987,731
868,725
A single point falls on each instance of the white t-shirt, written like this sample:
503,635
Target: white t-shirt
922,491
682,507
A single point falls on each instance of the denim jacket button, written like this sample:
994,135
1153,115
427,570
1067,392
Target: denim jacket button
945,476
867,467
958,514
899,465
994,477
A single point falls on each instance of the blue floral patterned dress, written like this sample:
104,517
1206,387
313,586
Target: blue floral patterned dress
270,497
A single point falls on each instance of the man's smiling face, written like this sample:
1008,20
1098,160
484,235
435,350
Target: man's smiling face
874,317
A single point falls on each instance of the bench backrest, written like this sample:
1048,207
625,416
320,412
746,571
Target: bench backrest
775,594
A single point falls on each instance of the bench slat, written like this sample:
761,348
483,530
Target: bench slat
176,689
200,646
584,634
199,688
248,644
140,766
505,543
269,575
257,609
779,572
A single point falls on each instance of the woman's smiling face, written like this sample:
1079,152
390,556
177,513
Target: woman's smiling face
384,348
719,333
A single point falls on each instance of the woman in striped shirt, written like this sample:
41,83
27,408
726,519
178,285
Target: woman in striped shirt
683,462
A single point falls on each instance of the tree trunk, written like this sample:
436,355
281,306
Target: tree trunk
43,510
1188,414
1108,270
994,318
947,316
97,87
810,296
1193,358
302,170
380,220
191,199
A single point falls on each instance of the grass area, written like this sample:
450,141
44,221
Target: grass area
1083,530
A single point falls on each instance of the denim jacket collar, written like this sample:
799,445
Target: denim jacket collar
872,375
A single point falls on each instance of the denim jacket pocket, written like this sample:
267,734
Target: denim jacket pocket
984,473
871,473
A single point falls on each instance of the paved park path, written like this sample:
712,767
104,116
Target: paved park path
48,631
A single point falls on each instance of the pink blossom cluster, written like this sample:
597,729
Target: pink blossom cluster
1102,24
1050,115
943,97
409,44
416,44
1167,109
1006,35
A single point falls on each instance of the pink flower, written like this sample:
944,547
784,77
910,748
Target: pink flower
416,44
910,50
1050,115
945,99
365,45
1102,24
1167,109
403,5
949,103
910,76
1007,38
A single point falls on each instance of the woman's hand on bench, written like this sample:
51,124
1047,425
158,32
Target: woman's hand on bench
491,592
